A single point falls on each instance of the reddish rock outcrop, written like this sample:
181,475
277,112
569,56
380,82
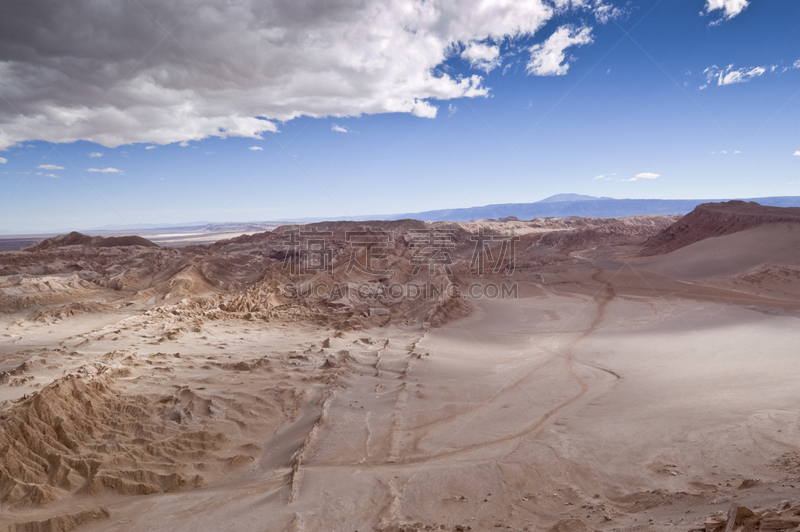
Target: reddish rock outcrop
717,219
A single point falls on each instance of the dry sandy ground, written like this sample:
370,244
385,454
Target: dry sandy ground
629,394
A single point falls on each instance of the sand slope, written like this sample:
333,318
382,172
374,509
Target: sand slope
732,255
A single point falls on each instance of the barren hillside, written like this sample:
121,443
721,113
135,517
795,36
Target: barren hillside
406,376
718,219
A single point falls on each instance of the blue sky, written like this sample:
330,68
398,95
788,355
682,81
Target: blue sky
698,102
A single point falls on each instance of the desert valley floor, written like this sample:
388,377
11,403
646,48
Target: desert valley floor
645,378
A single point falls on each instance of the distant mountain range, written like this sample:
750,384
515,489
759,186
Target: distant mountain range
558,206
564,205
562,198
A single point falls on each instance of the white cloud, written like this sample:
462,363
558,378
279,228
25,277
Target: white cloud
108,170
54,176
423,109
451,109
797,153
549,58
643,175
3,160
605,13
238,69
255,148
339,129
601,176
482,56
50,167
729,75
729,8
150,147
95,154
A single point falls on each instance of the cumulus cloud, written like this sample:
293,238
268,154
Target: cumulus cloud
451,109
95,154
108,170
3,160
238,69
339,129
255,148
601,176
729,75
482,56
729,8
50,167
797,153
150,147
549,58
54,176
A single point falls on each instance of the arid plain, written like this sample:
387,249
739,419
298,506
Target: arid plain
620,374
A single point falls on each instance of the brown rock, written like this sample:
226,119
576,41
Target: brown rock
780,522
571,525
749,483
715,523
